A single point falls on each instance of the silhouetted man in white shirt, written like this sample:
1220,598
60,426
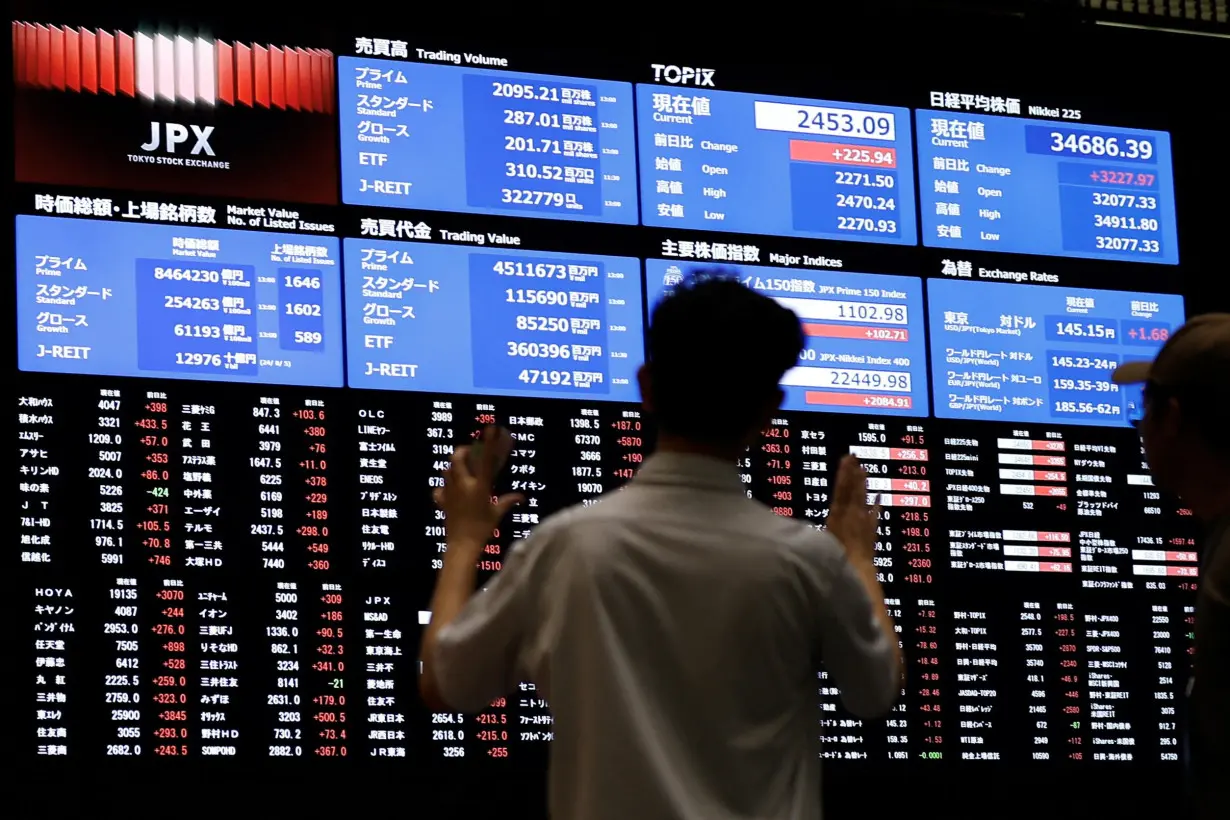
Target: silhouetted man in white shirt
675,627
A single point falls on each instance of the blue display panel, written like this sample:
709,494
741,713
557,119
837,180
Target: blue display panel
442,137
865,345
1038,187
1032,353
454,319
118,299
755,163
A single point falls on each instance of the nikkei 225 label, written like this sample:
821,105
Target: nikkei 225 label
1038,354
865,342
754,163
439,137
117,299
1037,187
455,319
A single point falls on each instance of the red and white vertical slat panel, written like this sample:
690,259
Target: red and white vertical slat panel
56,46
206,80
106,62
72,59
173,69
126,58
277,77
292,78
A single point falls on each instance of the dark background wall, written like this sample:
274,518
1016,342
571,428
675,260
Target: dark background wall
1055,50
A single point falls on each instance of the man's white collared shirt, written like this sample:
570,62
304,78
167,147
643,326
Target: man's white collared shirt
675,628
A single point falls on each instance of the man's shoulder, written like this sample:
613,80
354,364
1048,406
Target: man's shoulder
795,540
579,518
557,527
631,503
792,533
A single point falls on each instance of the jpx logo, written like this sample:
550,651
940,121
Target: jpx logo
177,135
683,75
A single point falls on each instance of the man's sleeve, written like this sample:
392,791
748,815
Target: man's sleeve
477,655
851,642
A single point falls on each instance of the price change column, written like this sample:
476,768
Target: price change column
896,455
331,705
184,704
770,468
790,471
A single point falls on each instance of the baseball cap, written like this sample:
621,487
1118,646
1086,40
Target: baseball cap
1196,356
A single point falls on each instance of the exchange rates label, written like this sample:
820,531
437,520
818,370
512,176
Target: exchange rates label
752,163
1030,186
452,319
116,299
1031,353
447,138
864,348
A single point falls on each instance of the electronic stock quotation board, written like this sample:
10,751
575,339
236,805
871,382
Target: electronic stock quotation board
266,286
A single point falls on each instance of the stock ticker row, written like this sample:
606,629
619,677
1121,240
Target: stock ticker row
327,271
